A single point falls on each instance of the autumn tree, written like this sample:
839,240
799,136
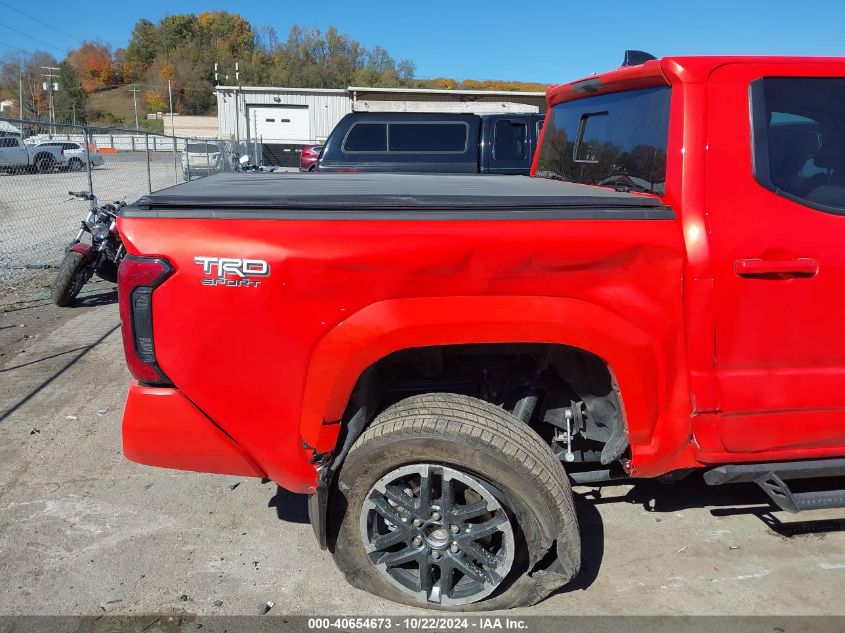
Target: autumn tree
444,83
94,66
155,100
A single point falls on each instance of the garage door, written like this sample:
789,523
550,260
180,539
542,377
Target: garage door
280,124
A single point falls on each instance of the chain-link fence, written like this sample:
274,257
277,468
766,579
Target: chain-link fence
41,162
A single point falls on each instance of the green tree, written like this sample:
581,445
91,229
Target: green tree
174,30
140,52
69,102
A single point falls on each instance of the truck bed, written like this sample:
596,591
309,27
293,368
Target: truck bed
392,196
497,258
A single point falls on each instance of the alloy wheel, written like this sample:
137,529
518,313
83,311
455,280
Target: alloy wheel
438,534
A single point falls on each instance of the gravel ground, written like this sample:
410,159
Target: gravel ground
83,531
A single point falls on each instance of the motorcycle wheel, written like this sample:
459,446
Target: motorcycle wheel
69,280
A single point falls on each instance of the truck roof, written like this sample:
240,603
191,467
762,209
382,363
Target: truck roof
391,196
682,69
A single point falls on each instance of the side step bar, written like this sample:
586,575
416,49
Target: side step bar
770,477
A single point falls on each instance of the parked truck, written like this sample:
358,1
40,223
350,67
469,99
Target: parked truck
17,156
432,142
435,359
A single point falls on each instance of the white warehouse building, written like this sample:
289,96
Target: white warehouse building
276,123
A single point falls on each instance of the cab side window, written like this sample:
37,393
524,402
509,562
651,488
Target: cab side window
798,139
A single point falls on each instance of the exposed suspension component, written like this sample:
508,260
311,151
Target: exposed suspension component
569,422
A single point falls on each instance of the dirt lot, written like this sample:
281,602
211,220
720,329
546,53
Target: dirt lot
83,531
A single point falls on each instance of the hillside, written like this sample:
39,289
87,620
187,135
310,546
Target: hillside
114,108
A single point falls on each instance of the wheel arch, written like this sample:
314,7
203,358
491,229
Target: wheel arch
370,335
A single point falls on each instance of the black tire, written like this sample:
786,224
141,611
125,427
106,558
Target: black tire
75,164
483,442
72,275
44,163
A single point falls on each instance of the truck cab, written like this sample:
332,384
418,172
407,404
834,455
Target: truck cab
432,143
13,153
749,153
508,142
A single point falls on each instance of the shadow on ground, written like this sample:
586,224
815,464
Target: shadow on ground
290,507
727,500
689,493
97,299
80,353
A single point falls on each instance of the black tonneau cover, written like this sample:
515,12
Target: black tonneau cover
400,196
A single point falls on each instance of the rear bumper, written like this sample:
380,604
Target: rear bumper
161,427
200,164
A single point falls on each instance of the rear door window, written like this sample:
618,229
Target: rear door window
366,137
511,140
202,148
798,138
428,137
615,140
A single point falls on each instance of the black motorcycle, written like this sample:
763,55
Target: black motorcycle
82,260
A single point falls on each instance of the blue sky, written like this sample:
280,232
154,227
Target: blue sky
548,42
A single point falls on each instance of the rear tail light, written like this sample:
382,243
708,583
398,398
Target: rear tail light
137,278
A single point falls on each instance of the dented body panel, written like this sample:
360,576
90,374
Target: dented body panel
341,295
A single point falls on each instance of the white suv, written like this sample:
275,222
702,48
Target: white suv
201,158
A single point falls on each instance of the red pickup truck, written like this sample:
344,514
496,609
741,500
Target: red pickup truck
435,358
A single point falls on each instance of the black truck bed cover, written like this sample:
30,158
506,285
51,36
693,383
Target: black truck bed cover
271,195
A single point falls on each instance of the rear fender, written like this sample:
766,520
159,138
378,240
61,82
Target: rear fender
385,327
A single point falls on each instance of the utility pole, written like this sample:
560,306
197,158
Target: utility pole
237,107
134,92
173,133
170,97
20,89
51,86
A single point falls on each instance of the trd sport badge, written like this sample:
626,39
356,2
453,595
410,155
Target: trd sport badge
231,272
